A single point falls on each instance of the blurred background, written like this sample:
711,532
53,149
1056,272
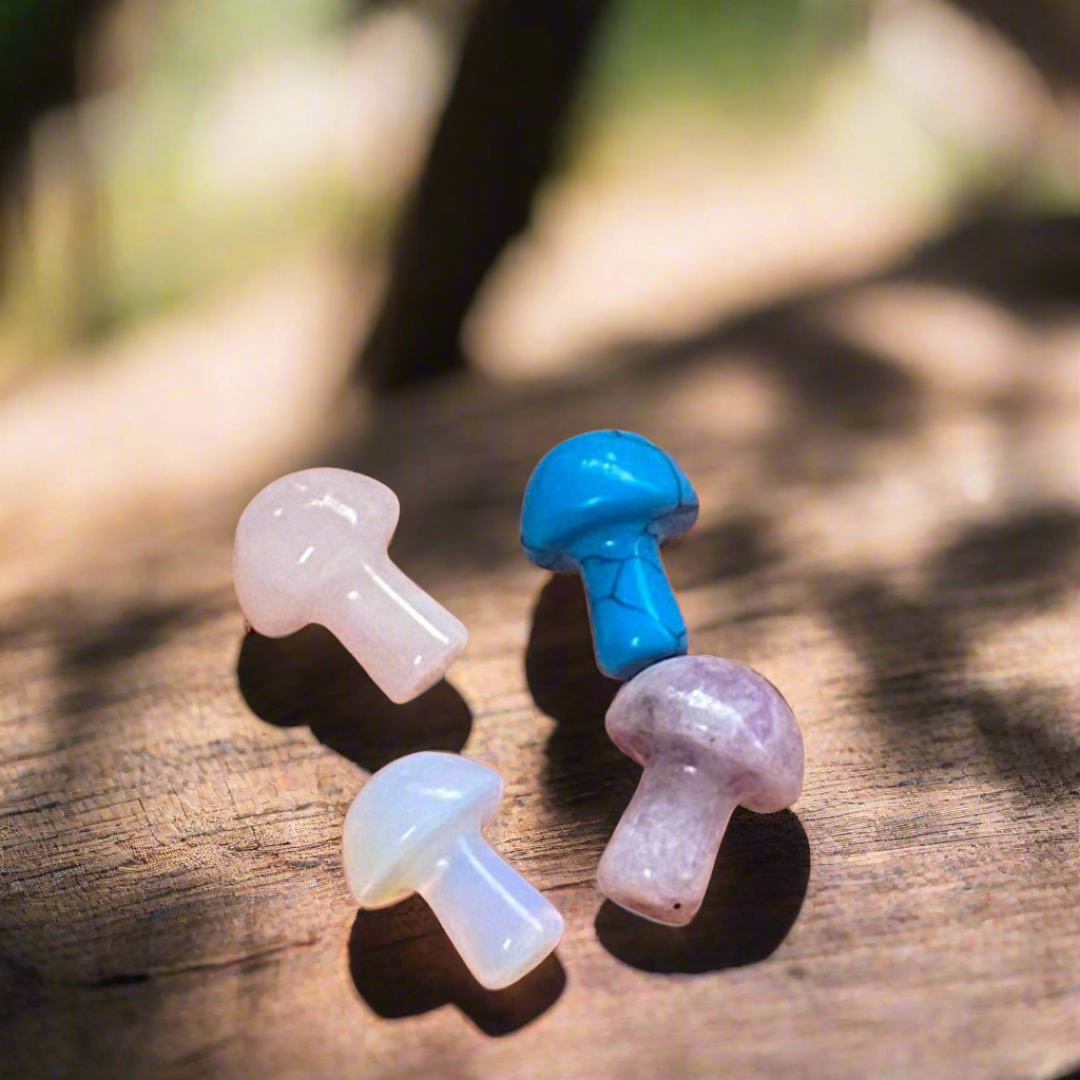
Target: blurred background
210,265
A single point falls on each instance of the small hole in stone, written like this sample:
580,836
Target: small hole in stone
677,906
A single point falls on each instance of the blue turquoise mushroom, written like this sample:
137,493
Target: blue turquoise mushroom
601,505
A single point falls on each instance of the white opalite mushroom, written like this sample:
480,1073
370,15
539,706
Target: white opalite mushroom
416,826
312,547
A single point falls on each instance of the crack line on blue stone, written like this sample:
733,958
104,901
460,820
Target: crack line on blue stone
619,574
641,611
678,636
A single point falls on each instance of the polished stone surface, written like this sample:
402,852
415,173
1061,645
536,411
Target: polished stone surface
711,734
601,504
416,826
312,548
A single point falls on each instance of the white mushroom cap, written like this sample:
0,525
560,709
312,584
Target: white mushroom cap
405,818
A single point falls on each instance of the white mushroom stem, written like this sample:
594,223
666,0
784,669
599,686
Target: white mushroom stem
500,924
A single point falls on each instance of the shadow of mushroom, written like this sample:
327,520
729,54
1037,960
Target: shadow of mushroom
729,550
403,964
586,776
1024,563
310,678
754,898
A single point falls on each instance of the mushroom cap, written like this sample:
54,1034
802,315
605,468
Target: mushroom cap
297,534
599,486
406,816
718,716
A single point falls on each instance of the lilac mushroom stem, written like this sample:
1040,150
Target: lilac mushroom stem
661,856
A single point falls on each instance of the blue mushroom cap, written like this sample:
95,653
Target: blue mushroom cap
596,488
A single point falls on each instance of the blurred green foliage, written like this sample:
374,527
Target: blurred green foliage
141,225
164,226
753,57
200,40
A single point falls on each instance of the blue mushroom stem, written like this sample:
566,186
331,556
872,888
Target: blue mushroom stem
635,618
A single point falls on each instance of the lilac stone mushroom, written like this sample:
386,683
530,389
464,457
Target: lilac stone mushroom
711,734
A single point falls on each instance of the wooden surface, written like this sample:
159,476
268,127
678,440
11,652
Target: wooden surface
891,534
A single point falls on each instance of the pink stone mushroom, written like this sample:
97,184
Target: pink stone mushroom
311,548
711,734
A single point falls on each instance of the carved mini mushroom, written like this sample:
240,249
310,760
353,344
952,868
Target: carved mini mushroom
312,548
601,505
416,826
711,734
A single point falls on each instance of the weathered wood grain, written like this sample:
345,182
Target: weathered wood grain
890,545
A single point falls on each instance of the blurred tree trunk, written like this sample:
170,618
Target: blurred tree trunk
1047,32
40,51
493,145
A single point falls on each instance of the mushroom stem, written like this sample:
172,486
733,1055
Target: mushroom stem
635,618
660,858
500,924
403,637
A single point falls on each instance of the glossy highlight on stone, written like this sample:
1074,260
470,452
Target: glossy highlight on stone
312,548
416,826
711,734
602,504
